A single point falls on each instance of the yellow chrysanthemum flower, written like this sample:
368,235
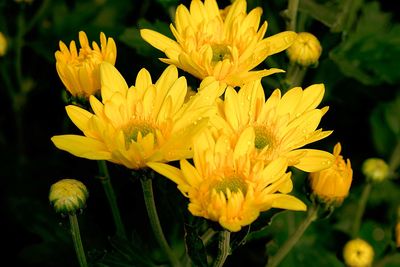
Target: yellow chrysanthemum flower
332,185
143,123
226,185
80,70
226,44
283,125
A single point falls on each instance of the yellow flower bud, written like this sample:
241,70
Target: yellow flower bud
332,185
358,253
375,169
305,50
68,195
80,70
3,44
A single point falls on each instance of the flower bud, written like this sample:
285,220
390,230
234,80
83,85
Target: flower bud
375,169
68,195
332,185
358,253
305,50
3,44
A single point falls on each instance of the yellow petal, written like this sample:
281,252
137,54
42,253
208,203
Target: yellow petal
172,173
82,146
313,160
159,41
111,81
288,202
79,116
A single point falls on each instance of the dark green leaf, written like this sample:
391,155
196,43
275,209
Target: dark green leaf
195,247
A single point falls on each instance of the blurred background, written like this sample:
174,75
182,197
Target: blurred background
359,65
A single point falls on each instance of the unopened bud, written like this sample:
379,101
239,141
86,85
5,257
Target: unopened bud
68,195
358,253
375,169
305,50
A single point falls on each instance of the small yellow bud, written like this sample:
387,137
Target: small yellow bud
3,44
305,50
332,185
375,169
358,253
68,195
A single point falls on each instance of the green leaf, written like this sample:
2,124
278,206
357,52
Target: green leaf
371,52
384,138
195,247
125,253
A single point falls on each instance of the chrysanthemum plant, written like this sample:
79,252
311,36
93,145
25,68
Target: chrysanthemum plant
230,148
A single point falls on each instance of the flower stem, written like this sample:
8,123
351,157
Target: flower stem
112,201
147,187
361,208
293,6
289,244
223,247
76,237
295,75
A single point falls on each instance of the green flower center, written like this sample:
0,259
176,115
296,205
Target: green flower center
263,137
143,128
220,52
233,183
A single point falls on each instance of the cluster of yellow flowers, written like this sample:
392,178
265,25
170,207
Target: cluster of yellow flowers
240,142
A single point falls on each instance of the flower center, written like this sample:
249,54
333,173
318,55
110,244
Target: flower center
220,52
234,183
144,128
263,137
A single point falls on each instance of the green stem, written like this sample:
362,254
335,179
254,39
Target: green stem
147,187
76,237
293,6
289,244
295,75
37,16
223,248
361,208
205,238
394,160
112,201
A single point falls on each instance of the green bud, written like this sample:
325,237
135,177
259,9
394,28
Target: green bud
68,195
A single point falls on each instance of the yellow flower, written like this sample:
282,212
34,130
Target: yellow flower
358,253
79,70
68,195
226,185
143,123
3,44
305,50
332,185
226,44
283,125
375,169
